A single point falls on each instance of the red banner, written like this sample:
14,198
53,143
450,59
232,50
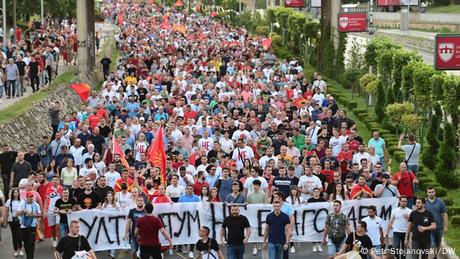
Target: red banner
389,2
294,3
352,22
447,51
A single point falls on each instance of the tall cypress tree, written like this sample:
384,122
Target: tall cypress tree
429,158
447,157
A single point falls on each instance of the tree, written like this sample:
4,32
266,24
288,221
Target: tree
380,102
447,157
429,158
395,113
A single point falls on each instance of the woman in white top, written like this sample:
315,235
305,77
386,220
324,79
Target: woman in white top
124,197
68,174
226,143
110,203
339,193
12,205
99,164
294,197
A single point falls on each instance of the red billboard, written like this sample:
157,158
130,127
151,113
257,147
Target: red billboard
352,22
447,52
294,3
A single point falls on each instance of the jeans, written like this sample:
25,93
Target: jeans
48,74
34,82
63,230
377,250
11,88
235,251
28,237
382,160
398,243
150,251
413,168
16,235
333,249
410,202
1,91
436,237
20,86
275,251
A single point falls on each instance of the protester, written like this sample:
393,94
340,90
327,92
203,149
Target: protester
336,229
29,212
146,232
63,206
374,229
398,224
438,209
74,244
133,216
277,231
412,152
358,243
238,233
419,230
206,246
12,205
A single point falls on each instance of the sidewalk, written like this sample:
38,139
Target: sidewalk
62,68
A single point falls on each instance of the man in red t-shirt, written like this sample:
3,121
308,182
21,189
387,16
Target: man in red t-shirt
405,180
146,232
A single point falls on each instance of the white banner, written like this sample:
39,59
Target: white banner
105,228
410,2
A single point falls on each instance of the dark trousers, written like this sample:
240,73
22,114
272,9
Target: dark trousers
398,243
16,235
422,249
49,75
55,130
150,251
35,82
28,237
6,176
106,73
11,88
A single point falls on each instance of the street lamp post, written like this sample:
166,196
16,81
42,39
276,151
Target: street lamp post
14,19
42,12
4,21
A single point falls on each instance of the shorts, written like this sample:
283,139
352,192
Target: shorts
52,221
134,245
332,248
436,238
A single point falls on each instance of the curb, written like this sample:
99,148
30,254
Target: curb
447,252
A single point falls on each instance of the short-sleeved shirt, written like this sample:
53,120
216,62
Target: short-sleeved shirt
257,198
358,243
149,226
208,249
379,146
134,215
68,245
88,201
283,184
405,183
423,219
336,224
277,230
373,228
437,208
64,205
235,229
415,154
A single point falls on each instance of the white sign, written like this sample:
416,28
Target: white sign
446,51
315,3
409,2
343,21
105,228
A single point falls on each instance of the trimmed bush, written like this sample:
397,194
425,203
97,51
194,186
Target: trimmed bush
453,210
448,201
455,220
421,174
441,191
399,156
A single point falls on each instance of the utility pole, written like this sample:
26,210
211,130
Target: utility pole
239,6
14,19
4,22
42,12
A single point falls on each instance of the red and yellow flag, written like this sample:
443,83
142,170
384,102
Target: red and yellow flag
82,90
179,28
117,150
157,155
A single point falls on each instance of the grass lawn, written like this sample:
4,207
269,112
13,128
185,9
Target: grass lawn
454,8
17,108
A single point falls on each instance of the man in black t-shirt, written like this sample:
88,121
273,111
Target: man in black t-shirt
22,71
208,247
421,224
358,242
283,182
63,206
33,73
102,189
73,243
316,196
106,66
88,199
236,225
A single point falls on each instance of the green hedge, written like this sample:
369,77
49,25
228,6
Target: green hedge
455,220
440,191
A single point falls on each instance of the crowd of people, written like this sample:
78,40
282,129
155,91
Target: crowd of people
234,131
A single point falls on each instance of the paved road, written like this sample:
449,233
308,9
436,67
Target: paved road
43,250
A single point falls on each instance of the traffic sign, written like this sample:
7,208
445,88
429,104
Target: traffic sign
352,22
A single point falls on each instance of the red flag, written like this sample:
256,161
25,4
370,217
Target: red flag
299,102
179,28
178,3
165,25
120,19
266,43
213,14
82,90
157,155
117,150
192,159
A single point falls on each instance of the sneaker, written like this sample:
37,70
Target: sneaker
254,251
55,243
16,254
21,253
292,250
315,249
320,248
190,254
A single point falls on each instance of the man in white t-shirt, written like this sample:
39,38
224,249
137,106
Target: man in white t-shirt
174,190
241,153
248,189
205,143
241,132
308,182
112,176
398,223
374,229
